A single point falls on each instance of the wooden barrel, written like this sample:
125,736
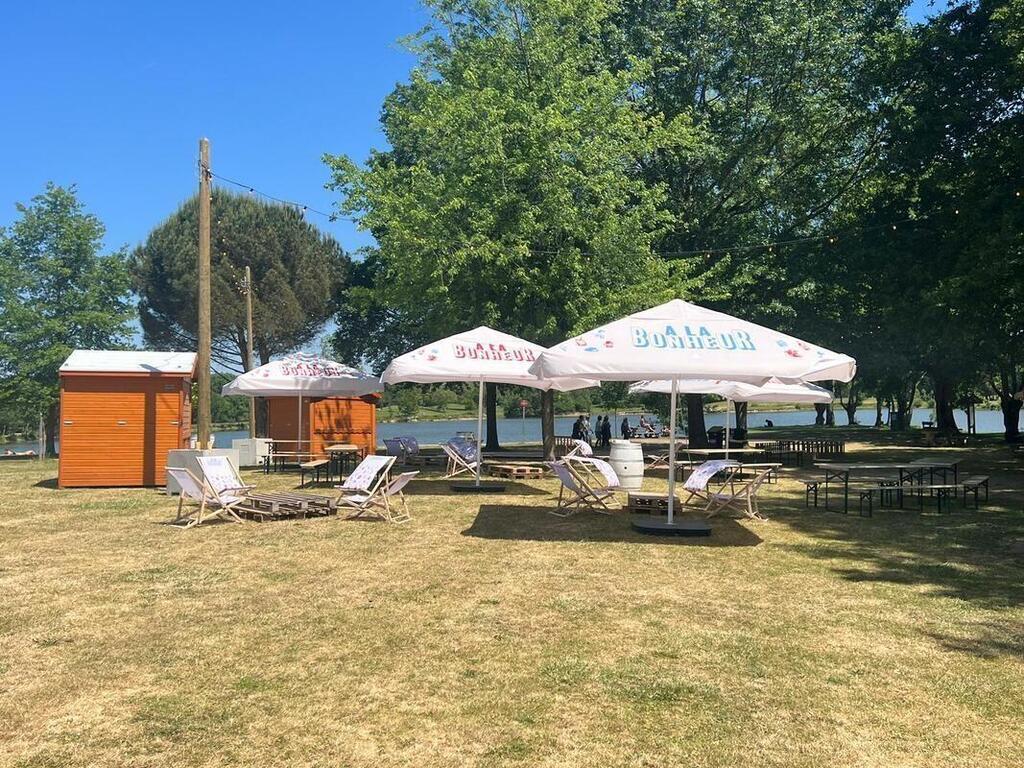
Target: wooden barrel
627,459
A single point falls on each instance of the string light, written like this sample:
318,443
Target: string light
301,208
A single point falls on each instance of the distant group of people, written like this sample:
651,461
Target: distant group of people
601,434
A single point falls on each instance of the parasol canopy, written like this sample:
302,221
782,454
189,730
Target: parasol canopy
305,376
680,340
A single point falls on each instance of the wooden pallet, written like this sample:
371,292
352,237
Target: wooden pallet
650,503
283,505
515,471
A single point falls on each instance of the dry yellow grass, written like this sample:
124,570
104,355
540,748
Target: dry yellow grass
487,632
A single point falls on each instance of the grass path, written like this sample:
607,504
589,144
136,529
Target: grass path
487,632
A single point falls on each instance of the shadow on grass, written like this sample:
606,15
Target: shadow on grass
962,553
439,487
523,523
987,640
49,483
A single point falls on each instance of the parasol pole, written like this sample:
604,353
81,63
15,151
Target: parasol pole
672,451
298,441
479,431
728,410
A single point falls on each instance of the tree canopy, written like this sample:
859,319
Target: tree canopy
57,293
297,273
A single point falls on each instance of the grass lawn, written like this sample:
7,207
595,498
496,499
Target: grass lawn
488,632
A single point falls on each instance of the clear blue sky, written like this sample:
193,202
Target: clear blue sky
113,96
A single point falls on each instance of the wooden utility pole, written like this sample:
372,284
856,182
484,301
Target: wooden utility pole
248,346
203,326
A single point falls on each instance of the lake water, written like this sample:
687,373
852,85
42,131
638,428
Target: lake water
528,430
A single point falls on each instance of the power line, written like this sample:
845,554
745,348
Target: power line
301,207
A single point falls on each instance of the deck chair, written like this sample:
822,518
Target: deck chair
362,489
696,485
579,487
741,496
382,504
410,445
211,503
395,446
461,457
579,448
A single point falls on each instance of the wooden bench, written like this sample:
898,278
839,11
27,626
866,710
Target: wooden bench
811,489
972,485
314,466
941,491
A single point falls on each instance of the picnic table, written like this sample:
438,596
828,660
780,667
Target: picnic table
907,471
341,455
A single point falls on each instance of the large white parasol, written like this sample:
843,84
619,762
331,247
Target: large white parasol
678,340
772,391
303,376
481,355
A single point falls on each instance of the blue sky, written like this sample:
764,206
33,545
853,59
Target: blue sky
113,96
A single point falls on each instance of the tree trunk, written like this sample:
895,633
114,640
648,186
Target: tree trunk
830,416
695,428
904,402
491,407
819,414
878,413
741,417
1010,407
52,419
850,406
945,421
547,423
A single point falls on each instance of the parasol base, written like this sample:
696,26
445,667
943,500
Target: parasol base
660,526
474,488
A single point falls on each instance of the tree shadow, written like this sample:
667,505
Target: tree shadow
512,522
439,487
961,553
987,640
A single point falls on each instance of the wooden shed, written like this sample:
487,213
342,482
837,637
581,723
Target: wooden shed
333,420
120,413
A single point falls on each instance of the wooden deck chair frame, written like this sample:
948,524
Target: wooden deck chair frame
577,492
579,448
696,485
741,497
458,463
380,504
211,503
365,483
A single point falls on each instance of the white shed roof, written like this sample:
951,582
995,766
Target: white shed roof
117,361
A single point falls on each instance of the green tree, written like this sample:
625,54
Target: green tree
297,274
57,293
510,195
787,107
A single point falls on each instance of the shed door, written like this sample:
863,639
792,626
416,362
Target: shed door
118,430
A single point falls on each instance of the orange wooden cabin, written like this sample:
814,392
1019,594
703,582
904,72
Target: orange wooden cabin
120,413
325,421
